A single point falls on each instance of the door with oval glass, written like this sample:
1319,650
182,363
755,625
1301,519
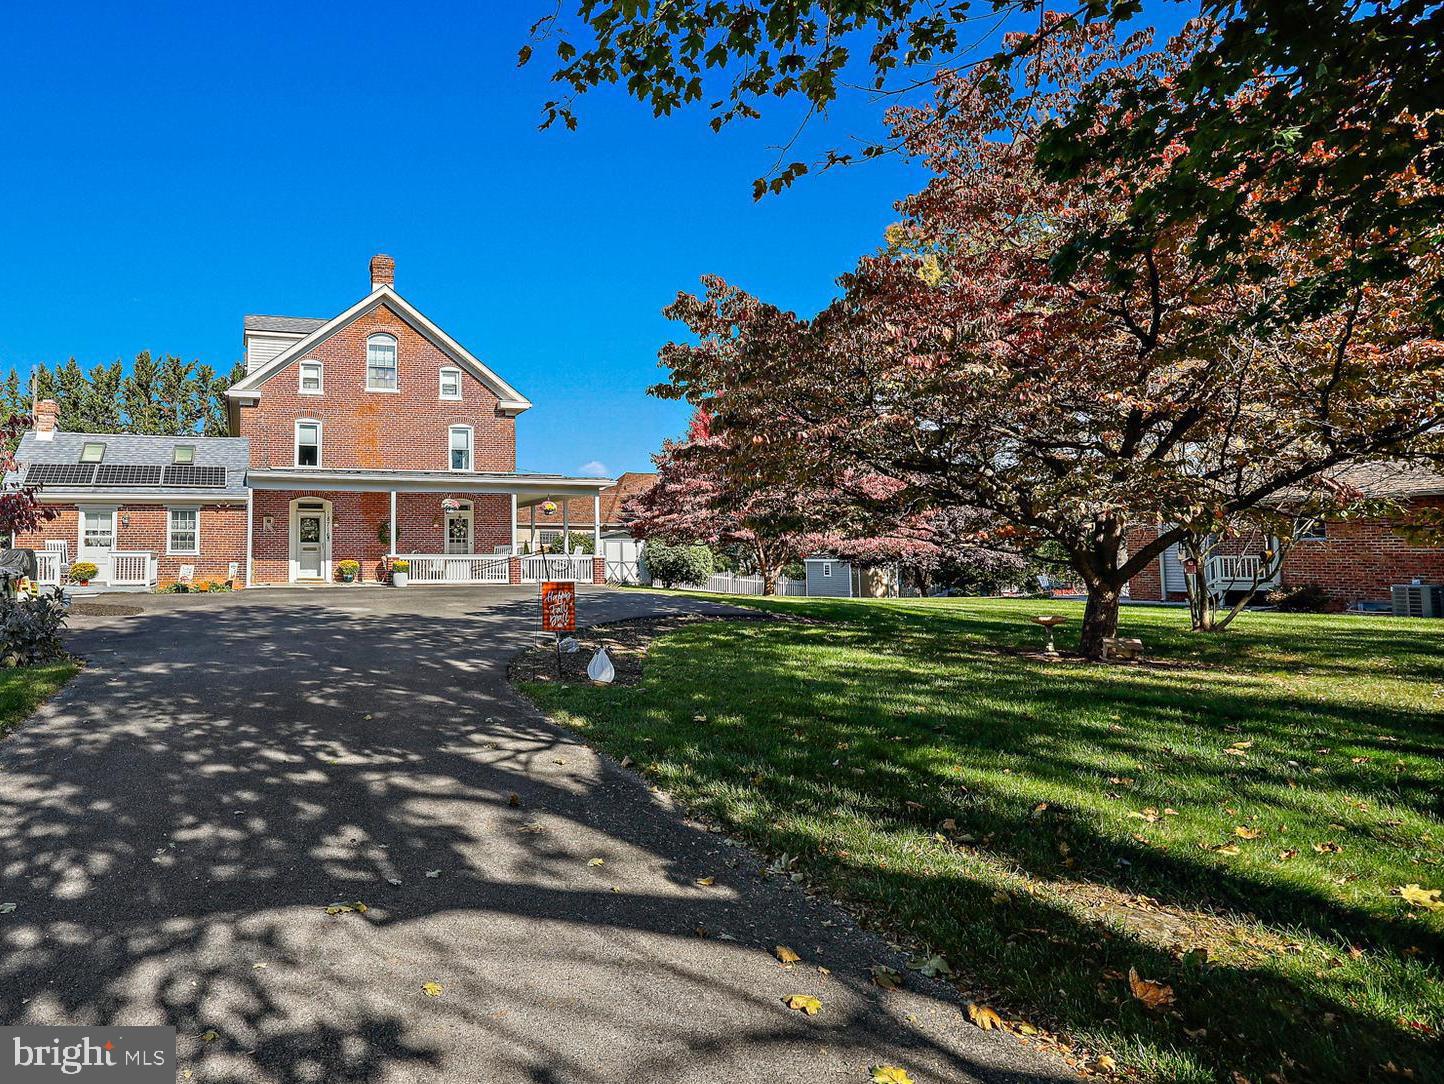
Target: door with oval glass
458,528
311,540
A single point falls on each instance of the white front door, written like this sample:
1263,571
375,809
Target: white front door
97,539
458,531
311,541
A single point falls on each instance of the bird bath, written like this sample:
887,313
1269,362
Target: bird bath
1049,622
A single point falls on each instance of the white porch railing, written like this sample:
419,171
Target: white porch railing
1240,571
130,569
455,568
49,567
541,567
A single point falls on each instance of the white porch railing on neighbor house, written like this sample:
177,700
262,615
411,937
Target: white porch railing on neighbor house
541,567
1240,571
728,583
455,568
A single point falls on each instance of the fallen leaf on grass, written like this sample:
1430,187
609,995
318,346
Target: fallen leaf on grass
804,1003
210,1035
6,908
1328,847
431,989
597,862
1246,833
514,800
1227,848
1153,994
887,978
706,882
1150,814
433,873
983,1016
1242,745
1423,897
342,908
1284,856
1103,1064
890,1074
932,967
786,955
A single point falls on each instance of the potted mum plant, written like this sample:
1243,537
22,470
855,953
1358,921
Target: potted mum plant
400,572
82,572
347,570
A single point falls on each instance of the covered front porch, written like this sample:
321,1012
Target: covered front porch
313,526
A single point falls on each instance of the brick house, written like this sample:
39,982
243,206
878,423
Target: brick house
1354,560
544,526
363,437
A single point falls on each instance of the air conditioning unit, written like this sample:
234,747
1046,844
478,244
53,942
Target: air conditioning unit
1418,600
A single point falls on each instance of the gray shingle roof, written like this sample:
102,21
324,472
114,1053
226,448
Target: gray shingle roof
1391,480
296,324
232,453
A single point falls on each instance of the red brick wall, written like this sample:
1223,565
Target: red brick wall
1362,559
1148,584
356,520
146,527
1359,560
402,430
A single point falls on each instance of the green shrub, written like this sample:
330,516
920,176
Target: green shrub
1306,599
30,629
670,565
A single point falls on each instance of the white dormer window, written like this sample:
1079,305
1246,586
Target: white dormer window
308,443
310,378
451,383
461,447
381,363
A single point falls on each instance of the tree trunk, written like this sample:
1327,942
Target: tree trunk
1100,619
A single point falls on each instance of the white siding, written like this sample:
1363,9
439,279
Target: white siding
1173,575
262,346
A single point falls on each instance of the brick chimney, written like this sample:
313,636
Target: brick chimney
383,271
47,415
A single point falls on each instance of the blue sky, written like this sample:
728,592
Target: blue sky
166,168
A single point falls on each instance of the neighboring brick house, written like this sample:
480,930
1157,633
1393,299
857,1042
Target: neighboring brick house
369,435
1354,560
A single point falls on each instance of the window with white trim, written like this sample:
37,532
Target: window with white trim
450,384
184,535
1310,530
460,447
381,363
97,529
308,444
827,568
310,379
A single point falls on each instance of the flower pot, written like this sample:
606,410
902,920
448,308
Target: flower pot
399,579
84,583
348,577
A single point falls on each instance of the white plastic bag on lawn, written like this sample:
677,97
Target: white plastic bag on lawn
600,668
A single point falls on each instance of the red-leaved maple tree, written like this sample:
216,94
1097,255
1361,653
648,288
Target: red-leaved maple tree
960,369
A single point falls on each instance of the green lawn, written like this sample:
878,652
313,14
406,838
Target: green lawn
1048,826
24,688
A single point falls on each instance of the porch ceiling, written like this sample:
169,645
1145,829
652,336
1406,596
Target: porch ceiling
529,488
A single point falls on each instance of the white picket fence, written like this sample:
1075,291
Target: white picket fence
728,583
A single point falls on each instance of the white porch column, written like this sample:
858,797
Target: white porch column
513,525
566,527
250,531
393,523
596,524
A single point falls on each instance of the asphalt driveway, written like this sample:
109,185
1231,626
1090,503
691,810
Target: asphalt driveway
175,822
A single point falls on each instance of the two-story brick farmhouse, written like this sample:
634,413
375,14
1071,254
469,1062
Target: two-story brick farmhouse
367,436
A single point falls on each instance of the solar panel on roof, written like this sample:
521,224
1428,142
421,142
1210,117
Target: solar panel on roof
60,474
187,475
127,474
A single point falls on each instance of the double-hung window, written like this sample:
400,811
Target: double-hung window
461,447
310,378
381,363
308,444
450,384
185,531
